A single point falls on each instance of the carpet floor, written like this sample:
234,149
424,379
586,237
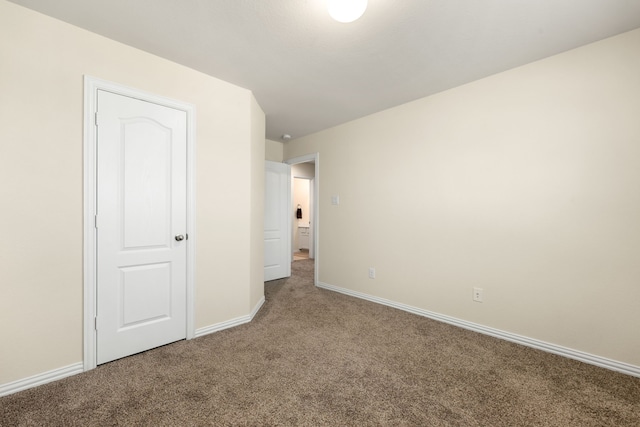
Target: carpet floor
312,357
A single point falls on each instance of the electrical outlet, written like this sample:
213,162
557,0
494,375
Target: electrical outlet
477,294
372,273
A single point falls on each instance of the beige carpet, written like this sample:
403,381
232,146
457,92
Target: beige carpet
314,357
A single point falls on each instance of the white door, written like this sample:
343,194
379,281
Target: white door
277,240
141,225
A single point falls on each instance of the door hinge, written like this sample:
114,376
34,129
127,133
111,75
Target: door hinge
95,323
96,118
95,221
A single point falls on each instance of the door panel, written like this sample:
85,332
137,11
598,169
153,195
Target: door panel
141,206
277,242
146,188
146,294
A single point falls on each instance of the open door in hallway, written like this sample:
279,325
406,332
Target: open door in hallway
277,237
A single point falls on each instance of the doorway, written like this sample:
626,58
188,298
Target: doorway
302,202
139,221
306,171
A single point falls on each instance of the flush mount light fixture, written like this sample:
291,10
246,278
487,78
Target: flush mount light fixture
347,10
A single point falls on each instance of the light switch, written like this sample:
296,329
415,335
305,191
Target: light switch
335,199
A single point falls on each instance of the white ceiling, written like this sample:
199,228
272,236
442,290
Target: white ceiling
309,73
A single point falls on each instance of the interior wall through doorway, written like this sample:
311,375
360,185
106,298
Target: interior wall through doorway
302,175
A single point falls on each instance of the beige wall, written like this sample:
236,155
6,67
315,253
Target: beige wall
41,107
303,170
274,151
524,183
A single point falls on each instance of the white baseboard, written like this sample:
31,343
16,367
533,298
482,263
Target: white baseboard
257,308
230,323
77,368
591,359
39,379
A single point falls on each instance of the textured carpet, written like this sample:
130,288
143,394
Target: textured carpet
315,357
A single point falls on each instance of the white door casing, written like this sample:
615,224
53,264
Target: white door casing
138,277
277,221
312,186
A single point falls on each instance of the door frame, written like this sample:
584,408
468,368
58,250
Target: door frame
315,158
312,201
91,87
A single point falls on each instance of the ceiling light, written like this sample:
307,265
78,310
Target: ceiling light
347,10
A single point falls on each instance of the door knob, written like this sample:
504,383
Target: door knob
179,237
